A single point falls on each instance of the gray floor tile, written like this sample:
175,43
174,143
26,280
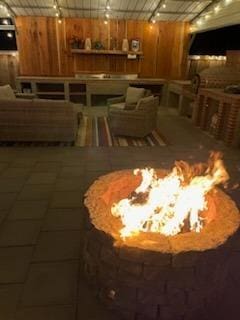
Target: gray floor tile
42,178
47,167
51,283
14,264
36,192
63,219
46,313
58,245
12,184
69,199
19,233
28,210
7,200
69,184
9,297
76,171
16,173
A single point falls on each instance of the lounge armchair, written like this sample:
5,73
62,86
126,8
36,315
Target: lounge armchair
128,101
135,123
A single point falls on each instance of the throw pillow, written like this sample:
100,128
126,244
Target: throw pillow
6,92
134,94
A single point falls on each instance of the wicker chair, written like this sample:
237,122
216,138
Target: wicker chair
129,100
135,123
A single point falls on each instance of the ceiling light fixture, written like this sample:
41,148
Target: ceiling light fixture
9,35
5,21
105,22
158,14
108,7
164,5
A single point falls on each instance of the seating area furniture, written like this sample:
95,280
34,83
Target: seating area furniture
88,89
129,100
36,120
137,122
219,113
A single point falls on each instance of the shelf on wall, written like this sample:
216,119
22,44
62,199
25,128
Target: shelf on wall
107,52
50,93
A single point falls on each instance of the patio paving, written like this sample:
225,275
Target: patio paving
41,220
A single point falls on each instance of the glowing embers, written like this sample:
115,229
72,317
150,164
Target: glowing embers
173,204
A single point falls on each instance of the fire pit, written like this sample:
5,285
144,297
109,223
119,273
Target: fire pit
156,247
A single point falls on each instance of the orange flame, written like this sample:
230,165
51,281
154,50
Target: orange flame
166,205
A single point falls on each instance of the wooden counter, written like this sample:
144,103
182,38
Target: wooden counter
86,90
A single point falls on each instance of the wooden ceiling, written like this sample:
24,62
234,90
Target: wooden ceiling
168,10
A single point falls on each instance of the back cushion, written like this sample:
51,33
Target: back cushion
134,94
6,92
15,104
146,103
51,104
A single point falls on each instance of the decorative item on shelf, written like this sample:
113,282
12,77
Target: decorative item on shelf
75,43
135,45
125,45
113,43
88,44
97,45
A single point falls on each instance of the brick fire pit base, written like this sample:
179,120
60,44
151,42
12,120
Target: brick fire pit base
150,276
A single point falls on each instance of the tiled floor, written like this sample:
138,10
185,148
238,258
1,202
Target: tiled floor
41,225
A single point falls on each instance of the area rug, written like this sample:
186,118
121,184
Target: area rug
95,132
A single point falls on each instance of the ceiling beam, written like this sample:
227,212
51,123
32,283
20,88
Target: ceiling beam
7,27
209,6
157,8
103,10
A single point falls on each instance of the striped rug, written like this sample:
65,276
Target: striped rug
95,132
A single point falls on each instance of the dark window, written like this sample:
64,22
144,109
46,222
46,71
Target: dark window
216,42
7,37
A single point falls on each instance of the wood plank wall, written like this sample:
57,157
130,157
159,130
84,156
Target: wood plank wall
197,65
8,68
44,48
233,58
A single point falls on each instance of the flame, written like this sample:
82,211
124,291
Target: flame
167,205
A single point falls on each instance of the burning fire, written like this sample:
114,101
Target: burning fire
170,204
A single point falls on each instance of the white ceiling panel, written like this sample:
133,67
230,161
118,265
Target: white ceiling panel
176,10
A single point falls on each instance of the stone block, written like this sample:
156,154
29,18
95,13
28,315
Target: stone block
9,185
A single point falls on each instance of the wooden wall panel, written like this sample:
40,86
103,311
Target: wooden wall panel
8,69
43,40
233,58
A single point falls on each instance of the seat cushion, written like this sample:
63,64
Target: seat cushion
6,92
117,106
134,94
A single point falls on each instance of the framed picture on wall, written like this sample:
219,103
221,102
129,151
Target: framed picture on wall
135,45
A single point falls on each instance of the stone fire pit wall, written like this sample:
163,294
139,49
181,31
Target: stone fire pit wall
143,284
147,284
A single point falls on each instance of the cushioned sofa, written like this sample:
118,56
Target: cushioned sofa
36,120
